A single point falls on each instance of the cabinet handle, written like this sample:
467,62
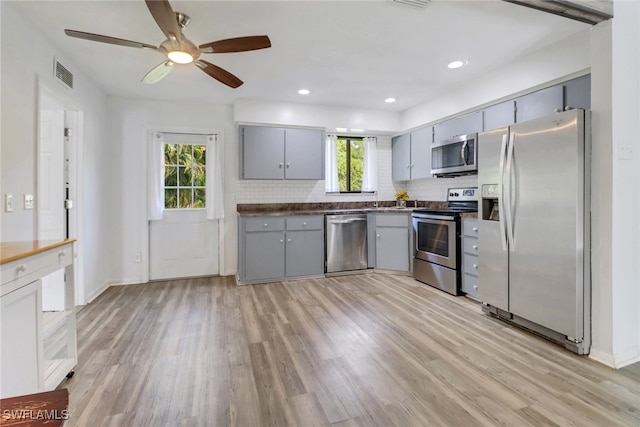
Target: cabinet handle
288,164
288,240
62,253
475,229
408,166
475,247
280,166
378,236
281,240
304,224
475,266
21,267
475,286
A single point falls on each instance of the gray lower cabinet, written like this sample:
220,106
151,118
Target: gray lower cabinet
273,248
470,257
280,153
392,241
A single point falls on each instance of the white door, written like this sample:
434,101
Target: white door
51,212
184,243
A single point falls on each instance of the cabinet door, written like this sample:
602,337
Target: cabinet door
499,115
463,125
264,255
392,248
262,152
421,141
305,253
304,154
401,158
577,93
539,104
21,323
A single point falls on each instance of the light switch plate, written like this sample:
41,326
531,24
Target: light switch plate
28,201
8,202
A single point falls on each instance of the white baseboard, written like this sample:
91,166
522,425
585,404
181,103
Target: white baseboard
615,361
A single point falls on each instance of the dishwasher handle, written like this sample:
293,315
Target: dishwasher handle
345,221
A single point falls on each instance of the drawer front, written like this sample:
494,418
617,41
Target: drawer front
470,264
305,222
392,220
264,224
470,285
470,245
23,271
470,227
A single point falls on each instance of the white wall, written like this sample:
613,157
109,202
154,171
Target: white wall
27,61
130,122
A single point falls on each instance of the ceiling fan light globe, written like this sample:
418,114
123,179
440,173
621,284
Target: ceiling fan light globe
180,57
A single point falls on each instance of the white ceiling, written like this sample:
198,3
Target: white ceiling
348,53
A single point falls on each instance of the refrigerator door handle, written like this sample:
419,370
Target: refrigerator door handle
508,217
503,229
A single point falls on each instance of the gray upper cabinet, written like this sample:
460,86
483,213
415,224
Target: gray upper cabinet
500,115
411,155
577,93
539,104
401,158
463,125
277,153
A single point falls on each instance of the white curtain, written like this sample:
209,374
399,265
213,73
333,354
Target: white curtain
155,177
370,169
331,170
214,191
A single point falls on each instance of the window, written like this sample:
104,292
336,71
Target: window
184,176
350,156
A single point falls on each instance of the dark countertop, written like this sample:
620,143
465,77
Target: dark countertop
336,208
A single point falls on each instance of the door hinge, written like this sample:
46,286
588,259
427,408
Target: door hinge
68,203
68,132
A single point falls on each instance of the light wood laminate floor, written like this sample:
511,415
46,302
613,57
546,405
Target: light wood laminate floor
367,350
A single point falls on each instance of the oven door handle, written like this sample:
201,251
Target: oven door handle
435,217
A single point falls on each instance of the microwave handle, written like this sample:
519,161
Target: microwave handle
463,152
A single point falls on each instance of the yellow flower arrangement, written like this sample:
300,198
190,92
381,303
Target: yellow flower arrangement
402,195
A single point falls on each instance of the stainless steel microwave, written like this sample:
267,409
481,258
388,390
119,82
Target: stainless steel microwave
456,156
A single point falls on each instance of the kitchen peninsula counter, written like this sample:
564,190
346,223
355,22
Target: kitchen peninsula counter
13,251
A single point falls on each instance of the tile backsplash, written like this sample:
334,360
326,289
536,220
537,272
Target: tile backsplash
283,191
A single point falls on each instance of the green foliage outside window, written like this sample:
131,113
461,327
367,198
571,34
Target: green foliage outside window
184,176
350,156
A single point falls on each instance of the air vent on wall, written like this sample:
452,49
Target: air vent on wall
414,3
63,75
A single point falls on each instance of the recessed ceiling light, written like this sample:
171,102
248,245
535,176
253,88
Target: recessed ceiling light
304,91
390,100
457,64
357,130
341,129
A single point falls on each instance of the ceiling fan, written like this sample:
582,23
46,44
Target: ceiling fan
180,50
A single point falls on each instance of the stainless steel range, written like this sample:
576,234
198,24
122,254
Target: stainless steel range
437,236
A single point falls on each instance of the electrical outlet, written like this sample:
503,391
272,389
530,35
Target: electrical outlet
8,202
138,257
28,201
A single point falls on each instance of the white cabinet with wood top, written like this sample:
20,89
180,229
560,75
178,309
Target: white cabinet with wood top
37,349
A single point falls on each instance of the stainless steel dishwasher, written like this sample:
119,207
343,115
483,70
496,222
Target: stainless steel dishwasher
346,242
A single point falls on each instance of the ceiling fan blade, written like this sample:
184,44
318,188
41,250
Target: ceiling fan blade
107,39
166,19
220,74
238,44
158,73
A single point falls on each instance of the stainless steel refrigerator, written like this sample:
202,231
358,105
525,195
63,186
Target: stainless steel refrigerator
533,239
